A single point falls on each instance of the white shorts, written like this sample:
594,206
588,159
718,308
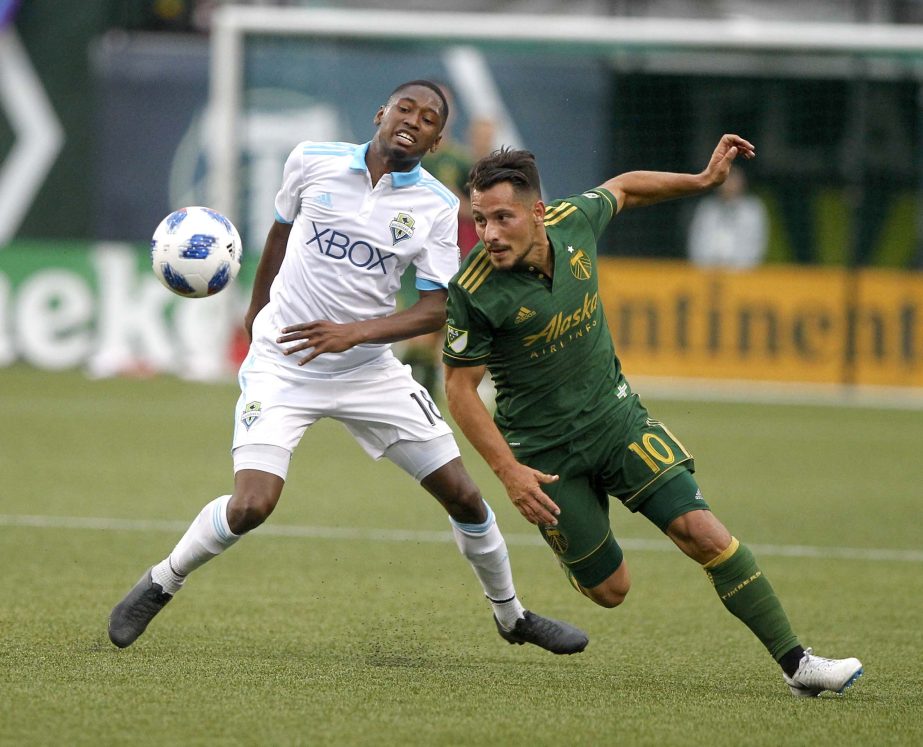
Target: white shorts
380,404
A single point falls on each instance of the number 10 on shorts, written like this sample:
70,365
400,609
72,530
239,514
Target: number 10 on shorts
654,451
426,404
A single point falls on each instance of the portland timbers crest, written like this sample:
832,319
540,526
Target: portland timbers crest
556,541
250,414
580,265
401,228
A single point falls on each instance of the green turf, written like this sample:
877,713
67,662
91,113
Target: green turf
301,640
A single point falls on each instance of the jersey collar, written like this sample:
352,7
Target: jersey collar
398,178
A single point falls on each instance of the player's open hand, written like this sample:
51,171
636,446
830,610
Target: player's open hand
523,485
729,147
319,337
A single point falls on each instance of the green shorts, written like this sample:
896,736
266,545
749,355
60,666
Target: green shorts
630,457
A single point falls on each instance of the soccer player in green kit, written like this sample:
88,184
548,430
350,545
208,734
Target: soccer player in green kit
568,431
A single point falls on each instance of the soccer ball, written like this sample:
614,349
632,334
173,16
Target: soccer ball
196,252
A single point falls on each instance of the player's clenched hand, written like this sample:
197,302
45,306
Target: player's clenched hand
319,337
523,485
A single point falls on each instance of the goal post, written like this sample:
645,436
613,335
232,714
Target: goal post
636,46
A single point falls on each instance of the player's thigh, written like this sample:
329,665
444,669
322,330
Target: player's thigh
582,539
382,404
424,462
274,408
673,499
254,463
637,459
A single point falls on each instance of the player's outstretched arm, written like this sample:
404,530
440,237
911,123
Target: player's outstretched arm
522,483
266,271
323,336
639,188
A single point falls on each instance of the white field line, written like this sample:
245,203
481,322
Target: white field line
778,393
400,535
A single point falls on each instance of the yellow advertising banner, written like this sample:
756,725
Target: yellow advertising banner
885,337
779,323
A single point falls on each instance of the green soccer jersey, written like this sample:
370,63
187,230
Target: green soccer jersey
545,342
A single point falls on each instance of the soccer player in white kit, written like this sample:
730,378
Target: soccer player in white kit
350,219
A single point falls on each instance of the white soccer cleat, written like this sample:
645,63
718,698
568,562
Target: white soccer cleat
816,674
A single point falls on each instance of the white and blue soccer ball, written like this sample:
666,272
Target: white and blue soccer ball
196,252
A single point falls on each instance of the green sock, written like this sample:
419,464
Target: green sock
748,595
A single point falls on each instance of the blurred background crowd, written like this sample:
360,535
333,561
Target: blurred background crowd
104,129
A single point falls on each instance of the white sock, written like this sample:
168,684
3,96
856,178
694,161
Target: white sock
163,574
484,547
209,535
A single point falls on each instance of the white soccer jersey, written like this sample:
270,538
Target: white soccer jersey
351,242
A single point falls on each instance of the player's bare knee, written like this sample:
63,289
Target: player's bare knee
455,490
256,493
466,505
248,509
607,596
611,592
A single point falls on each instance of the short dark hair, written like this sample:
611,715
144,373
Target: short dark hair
506,165
430,85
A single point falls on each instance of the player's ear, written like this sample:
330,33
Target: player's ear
435,146
376,120
538,212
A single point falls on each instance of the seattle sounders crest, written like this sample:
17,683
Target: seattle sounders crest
401,228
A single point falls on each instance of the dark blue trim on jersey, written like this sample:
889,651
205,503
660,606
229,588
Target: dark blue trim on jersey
398,178
422,284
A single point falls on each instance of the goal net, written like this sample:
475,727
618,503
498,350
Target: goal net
833,109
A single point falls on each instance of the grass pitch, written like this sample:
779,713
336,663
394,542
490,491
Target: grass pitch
352,619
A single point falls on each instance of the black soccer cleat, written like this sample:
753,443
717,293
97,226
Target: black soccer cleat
130,617
552,635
